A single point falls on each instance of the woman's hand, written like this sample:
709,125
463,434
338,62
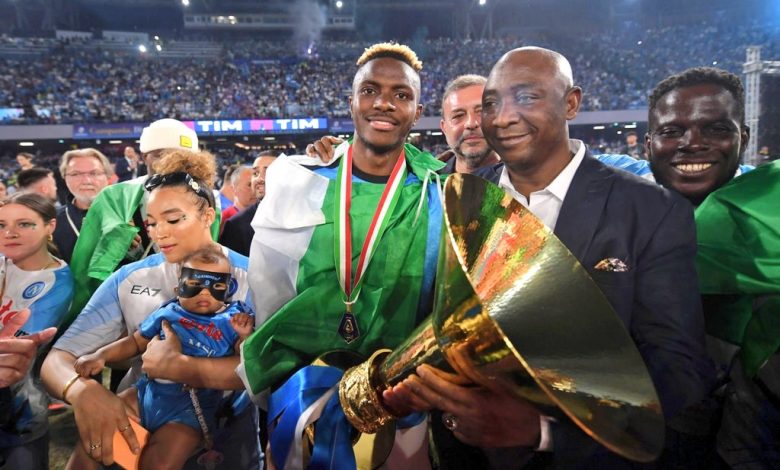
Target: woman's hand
99,414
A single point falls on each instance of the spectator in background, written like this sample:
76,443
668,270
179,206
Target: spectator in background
3,190
764,154
38,180
244,195
127,167
237,232
461,110
25,160
86,173
80,83
226,192
633,148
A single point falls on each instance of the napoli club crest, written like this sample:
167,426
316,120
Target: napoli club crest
33,289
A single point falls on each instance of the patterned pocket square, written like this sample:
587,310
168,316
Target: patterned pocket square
612,265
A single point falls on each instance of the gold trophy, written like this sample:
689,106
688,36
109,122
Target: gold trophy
515,311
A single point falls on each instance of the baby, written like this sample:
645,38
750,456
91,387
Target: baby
207,327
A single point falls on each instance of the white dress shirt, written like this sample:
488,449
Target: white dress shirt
546,203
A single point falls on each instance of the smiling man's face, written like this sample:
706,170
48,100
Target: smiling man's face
527,102
696,139
385,103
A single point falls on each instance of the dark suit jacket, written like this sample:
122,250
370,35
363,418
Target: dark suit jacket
609,213
238,232
123,170
64,236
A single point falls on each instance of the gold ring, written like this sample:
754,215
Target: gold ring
94,446
124,428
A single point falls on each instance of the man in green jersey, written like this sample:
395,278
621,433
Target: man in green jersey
344,255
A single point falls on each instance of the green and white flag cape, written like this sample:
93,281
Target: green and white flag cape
105,238
738,229
294,278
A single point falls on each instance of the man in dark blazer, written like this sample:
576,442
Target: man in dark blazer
237,233
600,213
126,168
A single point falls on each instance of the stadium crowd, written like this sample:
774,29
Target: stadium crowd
617,68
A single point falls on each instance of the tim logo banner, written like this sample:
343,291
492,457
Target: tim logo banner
258,126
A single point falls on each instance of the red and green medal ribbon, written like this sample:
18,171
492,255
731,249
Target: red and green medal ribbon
350,286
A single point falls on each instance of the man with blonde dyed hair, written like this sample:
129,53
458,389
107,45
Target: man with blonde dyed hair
86,173
377,196
392,50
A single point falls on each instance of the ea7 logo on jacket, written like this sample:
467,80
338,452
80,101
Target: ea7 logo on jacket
143,290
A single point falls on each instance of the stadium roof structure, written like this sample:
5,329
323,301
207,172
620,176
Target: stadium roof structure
460,19
254,5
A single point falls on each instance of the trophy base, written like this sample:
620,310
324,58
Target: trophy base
359,395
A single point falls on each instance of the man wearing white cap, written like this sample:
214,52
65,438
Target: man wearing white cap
109,235
162,135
